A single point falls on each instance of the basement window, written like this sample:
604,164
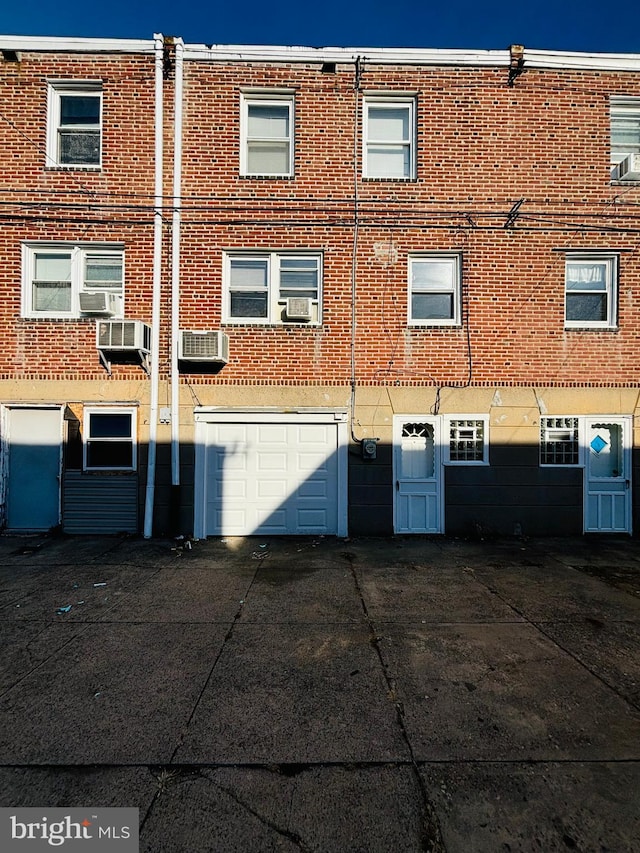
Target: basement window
559,441
468,440
109,439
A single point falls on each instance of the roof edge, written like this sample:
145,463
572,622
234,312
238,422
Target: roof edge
377,55
55,44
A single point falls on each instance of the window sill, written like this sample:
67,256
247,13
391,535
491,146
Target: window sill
72,167
268,177
248,324
389,180
591,328
419,326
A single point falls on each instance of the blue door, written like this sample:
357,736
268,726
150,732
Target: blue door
35,453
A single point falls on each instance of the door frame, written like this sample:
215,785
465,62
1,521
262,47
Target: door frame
626,422
438,465
5,421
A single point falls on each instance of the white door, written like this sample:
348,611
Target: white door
271,474
607,475
35,456
418,506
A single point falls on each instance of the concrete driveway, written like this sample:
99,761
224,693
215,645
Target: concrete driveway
378,695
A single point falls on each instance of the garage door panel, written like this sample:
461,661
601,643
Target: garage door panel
314,489
271,489
270,461
278,478
270,434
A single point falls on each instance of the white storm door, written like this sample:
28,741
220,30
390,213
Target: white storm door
35,458
417,475
607,500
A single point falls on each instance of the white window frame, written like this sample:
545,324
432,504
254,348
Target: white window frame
623,108
57,89
466,423
270,98
276,304
391,103
78,253
455,290
610,289
552,426
89,411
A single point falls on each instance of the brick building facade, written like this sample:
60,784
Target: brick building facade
286,290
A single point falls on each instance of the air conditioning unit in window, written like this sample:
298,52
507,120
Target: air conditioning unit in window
629,168
203,346
299,308
123,336
96,302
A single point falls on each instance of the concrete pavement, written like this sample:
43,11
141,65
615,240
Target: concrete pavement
378,695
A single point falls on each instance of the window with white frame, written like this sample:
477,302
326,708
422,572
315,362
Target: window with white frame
74,130
591,291
267,135
273,287
55,275
468,440
434,290
559,441
109,439
625,138
389,137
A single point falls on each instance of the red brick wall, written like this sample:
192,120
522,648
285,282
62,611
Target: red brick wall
112,204
482,145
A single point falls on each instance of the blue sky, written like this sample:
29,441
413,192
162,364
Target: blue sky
561,25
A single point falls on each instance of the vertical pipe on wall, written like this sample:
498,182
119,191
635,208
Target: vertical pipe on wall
175,284
157,281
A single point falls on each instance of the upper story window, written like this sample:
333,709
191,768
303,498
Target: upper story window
468,440
266,148
591,291
70,280
625,138
434,290
74,129
389,137
109,439
272,288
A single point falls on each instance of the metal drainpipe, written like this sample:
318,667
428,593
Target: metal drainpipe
157,281
175,284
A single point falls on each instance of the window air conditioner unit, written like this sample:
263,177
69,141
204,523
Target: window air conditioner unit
203,346
123,336
629,168
95,302
299,308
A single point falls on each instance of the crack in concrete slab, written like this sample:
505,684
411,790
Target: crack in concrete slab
432,841
226,639
538,625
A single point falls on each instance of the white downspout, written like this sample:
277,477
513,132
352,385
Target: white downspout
175,278
157,281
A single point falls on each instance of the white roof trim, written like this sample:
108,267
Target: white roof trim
376,55
582,61
73,45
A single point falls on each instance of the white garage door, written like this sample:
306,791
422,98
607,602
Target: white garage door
270,473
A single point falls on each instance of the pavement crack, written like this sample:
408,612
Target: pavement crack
223,645
432,841
284,833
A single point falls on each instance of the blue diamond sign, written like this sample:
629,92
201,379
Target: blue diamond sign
598,444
